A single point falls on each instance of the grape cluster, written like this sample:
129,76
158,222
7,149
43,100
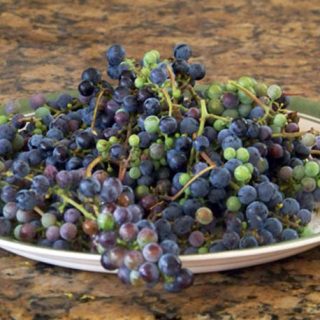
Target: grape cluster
154,167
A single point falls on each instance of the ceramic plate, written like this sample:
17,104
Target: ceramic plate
197,263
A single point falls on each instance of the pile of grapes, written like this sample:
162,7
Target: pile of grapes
155,167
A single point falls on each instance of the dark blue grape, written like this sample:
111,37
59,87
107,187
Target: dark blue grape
151,106
200,188
290,206
189,125
89,187
169,265
91,74
247,194
183,225
248,242
197,71
182,51
40,184
168,125
230,240
201,143
5,147
220,177
176,160
158,76
289,234
26,199
115,54
274,226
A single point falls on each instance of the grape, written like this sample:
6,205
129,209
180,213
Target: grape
9,211
247,194
230,240
242,173
133,259
204,216
189,125
5,227
68,231
152,252
199,188
196,239
169,265
289,234
274,226
220,177
182,226
248,242
233,204
48,219
182,51
197,71
304,215
308,139
311,169
115,54
128,231
149,272
274,92
290,207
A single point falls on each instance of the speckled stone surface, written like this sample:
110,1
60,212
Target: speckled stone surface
44,45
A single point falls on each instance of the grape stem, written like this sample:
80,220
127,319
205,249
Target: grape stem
315,152
172,78
78,206
207,158
204,115
95,112
193,93
39,211
123,167
180,192
91,166
169,102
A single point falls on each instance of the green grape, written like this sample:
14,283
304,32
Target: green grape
176,93
298,172
134,140
243,154
280,120
215,106
247,82
274,92
134,173
105,221
233,204
250,166
151,57
214,91
231,87
169,142
308,184
244,98
18,142
151,124
203,250
262,165
42,112
308,139
229,153
219,124
275,128
139,82
244,110
102,145
142,191
261,89
230,113
163,161
3,119
242,173
113,140
311,169
184,178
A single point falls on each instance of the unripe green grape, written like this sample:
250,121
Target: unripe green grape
242,173
134,140
274,92
229,153
231,87
311,169
102,145
3,119
37,131
105,221
244,110
243,154
261,89
139,82
275,128
156,164
262,165
308,184
184,178
298,172
247,82
214,91
42,112
280,120
250,166
244,98
169,142
308,139
187,192
113,140
219,124
163,161
150,57
18,142
203,250
151,124
215,106
142,191
233,204
176,93
134,173
230,113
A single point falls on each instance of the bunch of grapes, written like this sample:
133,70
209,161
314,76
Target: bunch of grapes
154,167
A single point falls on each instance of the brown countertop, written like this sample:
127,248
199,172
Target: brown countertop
44,45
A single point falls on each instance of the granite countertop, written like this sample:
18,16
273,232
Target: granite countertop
44,46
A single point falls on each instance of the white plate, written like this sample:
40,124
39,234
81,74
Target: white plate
197,263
